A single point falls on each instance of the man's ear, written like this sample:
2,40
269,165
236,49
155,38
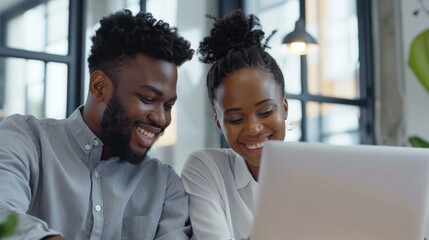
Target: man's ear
99,86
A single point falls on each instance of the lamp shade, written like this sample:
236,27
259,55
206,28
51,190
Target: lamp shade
300,41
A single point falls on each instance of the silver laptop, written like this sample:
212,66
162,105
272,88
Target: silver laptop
311,191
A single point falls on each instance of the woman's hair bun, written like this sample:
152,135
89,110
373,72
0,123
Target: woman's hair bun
233,32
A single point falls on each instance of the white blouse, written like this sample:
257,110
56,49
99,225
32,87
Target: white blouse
222,194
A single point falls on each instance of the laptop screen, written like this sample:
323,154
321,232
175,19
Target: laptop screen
319,191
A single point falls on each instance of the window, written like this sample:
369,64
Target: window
43,55
34,44
42,28
34,87
329,92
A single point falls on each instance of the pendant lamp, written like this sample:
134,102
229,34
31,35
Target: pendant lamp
299,41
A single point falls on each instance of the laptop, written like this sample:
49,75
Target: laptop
313,191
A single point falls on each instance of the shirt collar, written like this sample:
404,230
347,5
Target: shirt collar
81,133
241,172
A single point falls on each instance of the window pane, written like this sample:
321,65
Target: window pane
333,123
159,9
56,90
133,5
333,70
32,87
41,28
58,22
23,92
282,17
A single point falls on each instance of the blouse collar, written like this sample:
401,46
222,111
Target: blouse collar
241,172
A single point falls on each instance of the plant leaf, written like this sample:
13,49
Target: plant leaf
419,58
416,141
8,227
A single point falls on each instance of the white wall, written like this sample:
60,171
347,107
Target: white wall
416,97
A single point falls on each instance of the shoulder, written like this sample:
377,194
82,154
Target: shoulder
23,127
27,123
20,120
210,160
154,164
157,169
20,138
214,151
162,176
210,156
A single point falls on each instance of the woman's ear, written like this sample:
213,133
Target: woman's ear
286,107
218,123
99,86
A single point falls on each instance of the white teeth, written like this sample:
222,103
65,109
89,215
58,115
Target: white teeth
145,133
256,146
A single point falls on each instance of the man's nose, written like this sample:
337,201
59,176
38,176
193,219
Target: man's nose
158,116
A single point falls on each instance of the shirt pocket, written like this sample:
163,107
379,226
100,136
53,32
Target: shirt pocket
140,227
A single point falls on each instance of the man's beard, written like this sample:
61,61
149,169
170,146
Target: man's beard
117,128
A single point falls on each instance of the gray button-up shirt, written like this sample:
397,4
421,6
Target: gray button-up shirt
52,176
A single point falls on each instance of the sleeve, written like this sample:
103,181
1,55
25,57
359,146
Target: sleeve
207,209
18,155
174,223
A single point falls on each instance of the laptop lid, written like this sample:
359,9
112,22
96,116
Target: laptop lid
326,192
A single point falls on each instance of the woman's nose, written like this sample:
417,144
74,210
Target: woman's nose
253,126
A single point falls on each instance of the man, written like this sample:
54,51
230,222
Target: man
88,176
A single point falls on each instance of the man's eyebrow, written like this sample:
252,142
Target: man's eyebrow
158,92
153,89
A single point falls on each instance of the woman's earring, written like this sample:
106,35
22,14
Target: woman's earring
289,127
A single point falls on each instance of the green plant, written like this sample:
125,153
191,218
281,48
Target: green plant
419,63
7,228
417,141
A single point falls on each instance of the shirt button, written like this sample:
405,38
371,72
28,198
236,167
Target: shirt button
87,147
96,174
97,208
96,142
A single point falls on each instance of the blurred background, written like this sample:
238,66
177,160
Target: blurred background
355,89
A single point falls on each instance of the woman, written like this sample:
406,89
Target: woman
246,90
